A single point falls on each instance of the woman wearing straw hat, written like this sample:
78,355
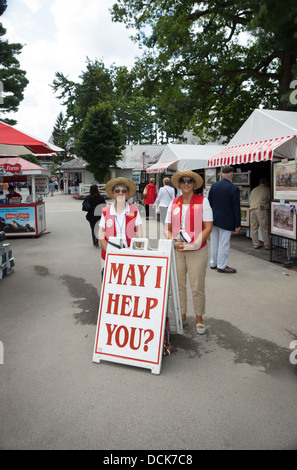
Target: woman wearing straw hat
120,219
189,223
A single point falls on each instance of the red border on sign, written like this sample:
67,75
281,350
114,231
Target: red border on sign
162,317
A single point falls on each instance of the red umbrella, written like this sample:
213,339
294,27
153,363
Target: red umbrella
11,136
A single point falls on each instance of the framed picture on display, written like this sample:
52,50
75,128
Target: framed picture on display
210,177
285,181
245,196
245,216
283,220
241,178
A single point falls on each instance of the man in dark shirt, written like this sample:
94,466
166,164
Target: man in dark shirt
224,198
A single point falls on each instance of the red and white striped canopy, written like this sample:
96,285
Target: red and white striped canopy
160,167
247,153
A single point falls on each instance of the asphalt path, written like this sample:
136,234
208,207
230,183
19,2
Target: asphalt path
232,388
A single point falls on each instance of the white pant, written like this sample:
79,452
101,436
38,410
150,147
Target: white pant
220,246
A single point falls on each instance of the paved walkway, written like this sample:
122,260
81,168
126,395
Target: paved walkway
232,388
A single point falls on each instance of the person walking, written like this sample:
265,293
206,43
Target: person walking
259,207
189,223
52,187
166,195
95,202
224,198
150,195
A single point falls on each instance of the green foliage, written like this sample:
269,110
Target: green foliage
30,158
212,63
3,6
99,141
13,79
60,138
116,86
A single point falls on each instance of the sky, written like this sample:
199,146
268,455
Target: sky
57,36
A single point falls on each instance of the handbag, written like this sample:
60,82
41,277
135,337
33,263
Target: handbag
144,192
86,206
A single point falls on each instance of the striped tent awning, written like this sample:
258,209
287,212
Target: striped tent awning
248,153
160,166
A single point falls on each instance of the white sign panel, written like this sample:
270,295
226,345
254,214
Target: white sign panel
132,310
41,185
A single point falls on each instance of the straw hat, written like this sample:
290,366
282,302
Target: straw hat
112,183
187,174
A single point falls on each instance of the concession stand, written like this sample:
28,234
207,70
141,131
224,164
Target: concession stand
20,217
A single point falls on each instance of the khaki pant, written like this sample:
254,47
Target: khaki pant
259,218
194,263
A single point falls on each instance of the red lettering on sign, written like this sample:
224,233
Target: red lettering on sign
116,273
127,299
158,277
117,305
130,275
121,335
116,270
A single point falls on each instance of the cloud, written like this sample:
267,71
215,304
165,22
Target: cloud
58,35
33,5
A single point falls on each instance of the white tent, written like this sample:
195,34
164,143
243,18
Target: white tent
265,134
180,157
264,124
139,157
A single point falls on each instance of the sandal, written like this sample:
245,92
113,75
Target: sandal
200,328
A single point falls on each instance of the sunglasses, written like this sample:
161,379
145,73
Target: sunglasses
186,180
118,191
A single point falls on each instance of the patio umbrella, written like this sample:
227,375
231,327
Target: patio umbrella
12,142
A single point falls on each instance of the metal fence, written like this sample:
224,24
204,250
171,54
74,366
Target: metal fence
84,189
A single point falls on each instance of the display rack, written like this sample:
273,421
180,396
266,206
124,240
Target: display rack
284,251
6,259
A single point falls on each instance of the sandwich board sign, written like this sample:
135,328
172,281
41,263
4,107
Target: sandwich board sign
136,286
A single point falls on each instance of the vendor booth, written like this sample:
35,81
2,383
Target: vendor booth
179,157
266,146
20,217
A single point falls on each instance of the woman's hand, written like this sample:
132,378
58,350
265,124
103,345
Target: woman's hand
179,246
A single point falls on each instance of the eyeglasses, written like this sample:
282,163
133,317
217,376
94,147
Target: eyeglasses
186,180
118,191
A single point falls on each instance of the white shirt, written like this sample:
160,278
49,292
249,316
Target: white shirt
206,213
165,196
120,221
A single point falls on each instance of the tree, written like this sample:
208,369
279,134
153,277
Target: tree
30,158
212,63
61,139
99,142
13,80
117,86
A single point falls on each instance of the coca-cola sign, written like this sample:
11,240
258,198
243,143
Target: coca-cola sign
12,169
